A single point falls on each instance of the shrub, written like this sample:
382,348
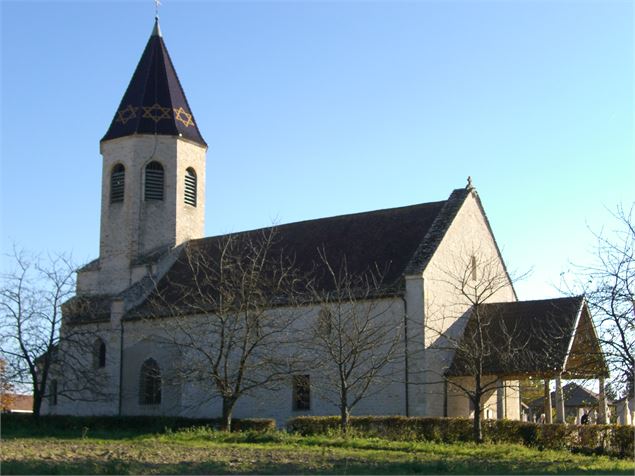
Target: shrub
24,424
623,441
611,439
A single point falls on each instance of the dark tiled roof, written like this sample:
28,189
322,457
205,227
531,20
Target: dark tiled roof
574,396
522,337
87,308
388,240
154,102
437,231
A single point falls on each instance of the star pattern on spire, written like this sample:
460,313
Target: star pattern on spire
184,117
127,113
156,112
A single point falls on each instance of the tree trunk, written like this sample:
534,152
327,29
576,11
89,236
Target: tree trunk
228,409
344,416
37,403
344,411
478,423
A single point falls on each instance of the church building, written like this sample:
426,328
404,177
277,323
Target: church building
429,254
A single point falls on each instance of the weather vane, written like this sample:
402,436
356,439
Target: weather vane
157,4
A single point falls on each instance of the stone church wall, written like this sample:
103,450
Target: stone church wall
445,307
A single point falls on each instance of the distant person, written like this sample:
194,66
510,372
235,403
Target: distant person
585,419
543,418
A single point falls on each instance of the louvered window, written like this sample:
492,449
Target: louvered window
117,182
190,187
154,181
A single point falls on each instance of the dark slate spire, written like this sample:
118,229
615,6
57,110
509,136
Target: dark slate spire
154,102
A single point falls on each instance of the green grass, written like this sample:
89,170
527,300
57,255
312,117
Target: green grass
205,451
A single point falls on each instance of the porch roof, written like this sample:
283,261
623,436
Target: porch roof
543,338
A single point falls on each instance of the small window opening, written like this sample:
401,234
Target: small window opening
325,322
473,268
154,181
150,385
301,392
53,393
99,354
190,187
117,183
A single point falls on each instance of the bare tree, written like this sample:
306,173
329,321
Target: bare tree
609,285
31,299
231,309
353,336
481,341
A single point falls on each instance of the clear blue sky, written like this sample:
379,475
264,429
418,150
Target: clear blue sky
314,109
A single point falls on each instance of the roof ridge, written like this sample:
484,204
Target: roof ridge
313,220
561,298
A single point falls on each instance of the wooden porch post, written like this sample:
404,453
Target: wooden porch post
602,410
559,401
548,418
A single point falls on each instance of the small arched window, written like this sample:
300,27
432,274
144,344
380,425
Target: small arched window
190,187
53,393
154,181
99,354
117,183
150,385
473,268
325,323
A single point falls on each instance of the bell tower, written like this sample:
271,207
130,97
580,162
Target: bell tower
153,177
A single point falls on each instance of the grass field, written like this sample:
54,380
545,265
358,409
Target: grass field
203,451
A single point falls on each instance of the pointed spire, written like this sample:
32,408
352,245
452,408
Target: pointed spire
156,31
154,102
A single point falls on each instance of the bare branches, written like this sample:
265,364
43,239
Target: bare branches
36,347
609,285
472,334
30,306
353,337
230,304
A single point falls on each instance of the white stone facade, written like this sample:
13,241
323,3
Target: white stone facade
135,227
430,307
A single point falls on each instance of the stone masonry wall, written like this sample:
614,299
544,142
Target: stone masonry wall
445,307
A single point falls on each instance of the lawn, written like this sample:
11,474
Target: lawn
204,451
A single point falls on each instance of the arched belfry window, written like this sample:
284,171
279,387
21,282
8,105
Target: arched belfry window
117,183
190,187
99,354
154,181
150,384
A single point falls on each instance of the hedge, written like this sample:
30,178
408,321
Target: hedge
26,424
611,439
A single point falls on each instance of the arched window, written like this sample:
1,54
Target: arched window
117,183
99,354
190,187
150,385
325,323
53,393
301,392
154,181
